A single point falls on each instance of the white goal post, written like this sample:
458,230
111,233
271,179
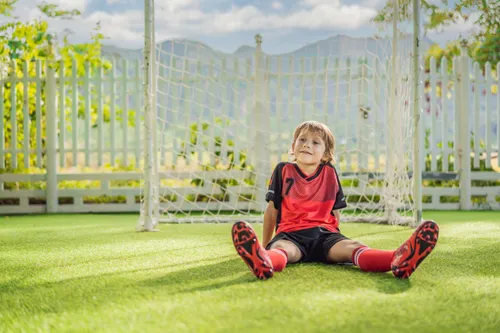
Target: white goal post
216,124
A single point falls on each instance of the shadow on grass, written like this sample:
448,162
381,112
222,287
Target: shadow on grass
351,277
20,286
204,278
385,282
233,272
130,256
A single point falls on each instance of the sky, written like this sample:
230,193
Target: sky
285,25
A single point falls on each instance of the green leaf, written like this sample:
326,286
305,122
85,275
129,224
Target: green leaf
7,7
39,37
52,11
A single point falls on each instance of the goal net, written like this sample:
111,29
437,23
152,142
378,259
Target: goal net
216,124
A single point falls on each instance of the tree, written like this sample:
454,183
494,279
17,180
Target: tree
486,14
28,45
451,50
483,44
489,50
7,7
481,52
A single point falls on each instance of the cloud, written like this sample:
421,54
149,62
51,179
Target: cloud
277,5
327,16
185,18
313,14
120,27
174,5
375,3
313,3
461,28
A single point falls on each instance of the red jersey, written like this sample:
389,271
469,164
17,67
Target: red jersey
303,201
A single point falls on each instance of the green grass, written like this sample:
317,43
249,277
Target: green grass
88,273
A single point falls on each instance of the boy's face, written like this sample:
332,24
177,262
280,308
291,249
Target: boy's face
309,148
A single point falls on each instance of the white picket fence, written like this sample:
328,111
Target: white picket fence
95,121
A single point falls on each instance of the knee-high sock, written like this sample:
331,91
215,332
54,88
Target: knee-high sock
372,260
279,258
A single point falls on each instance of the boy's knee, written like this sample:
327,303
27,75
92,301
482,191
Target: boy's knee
349,245
343,250
291,249
355,244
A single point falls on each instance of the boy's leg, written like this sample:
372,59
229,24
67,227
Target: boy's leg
283,252
253,254
402,262
367,259
409,255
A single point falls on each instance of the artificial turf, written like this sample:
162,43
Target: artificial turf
94,273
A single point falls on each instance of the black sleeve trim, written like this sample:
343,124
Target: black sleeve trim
340,199
275,185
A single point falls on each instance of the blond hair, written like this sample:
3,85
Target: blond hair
324,133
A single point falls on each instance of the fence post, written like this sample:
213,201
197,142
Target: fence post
261,142
51,119
464,165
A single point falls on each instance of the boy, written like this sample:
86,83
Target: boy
304,199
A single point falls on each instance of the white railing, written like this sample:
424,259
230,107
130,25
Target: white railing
97,120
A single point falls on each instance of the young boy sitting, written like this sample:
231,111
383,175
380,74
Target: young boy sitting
304,199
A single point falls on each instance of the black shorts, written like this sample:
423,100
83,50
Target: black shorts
314,243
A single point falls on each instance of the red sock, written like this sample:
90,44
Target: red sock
371,260
279,258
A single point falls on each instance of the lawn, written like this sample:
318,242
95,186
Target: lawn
93,273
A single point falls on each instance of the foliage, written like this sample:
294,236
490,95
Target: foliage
451,50
71,184
198,135
438,14
476,200
6,7
483,44
53,11
489,49
481,52
28,48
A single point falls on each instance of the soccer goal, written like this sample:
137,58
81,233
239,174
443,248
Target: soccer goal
216,124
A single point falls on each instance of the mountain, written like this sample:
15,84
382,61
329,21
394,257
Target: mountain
112,51
345,46
339,45
244,51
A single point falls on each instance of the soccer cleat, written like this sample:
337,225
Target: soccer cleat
409,255
253,254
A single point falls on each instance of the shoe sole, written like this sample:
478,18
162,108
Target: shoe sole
420,247
248,247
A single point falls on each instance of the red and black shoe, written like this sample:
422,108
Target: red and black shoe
253,254
409,255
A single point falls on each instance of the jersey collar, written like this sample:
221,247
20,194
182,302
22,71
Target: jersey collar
309,178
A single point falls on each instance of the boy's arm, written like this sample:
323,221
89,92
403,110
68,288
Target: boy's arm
336,213
340,199
270,216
